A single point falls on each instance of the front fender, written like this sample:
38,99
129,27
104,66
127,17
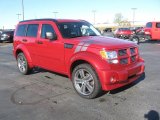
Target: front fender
94,60
22,48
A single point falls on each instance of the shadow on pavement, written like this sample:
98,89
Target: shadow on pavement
41,70
152,115
151,41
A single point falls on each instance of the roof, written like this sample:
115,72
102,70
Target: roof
54,20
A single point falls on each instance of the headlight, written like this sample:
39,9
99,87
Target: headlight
110,56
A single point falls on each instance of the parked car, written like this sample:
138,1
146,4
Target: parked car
152,30
1,32
135,29
75,48
107,30
123,33
138,36
7,35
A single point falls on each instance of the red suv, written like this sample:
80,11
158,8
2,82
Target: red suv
76,49
123,33
152,30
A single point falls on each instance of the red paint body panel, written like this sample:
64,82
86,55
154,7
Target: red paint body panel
153,30
54,56
123,32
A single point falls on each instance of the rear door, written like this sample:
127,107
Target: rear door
30,39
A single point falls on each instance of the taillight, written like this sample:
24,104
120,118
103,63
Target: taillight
147,31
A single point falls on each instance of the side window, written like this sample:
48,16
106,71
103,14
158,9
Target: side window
86,31
32,30
157,25
21,30
46,28
149,25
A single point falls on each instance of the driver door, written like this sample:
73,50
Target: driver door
50,53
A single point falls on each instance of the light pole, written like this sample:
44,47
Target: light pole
55,14
23,9
94,16
133,14
18,16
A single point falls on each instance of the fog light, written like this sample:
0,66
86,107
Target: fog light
113,61
113,79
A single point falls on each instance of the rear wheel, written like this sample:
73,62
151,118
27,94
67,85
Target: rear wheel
85,81
148,37
135,40
22,64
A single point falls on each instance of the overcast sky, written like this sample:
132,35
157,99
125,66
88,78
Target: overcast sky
147,10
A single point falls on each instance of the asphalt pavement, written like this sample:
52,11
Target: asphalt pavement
44,95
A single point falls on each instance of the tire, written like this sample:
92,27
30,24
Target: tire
86,82
135,40
148,37
22,64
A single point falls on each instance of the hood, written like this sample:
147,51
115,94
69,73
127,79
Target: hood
106,42
125,32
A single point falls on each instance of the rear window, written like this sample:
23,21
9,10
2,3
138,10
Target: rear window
157,25
149,25
21,30
32,30
123,28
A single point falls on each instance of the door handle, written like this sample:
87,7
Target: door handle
39,42
24,40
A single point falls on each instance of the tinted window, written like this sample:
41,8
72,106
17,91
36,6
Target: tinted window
123,28
149,25
32,30
77,29
21,30
46,28
157,25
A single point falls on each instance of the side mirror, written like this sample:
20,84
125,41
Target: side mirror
51,36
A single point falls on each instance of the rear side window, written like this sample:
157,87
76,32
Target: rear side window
21,30
149,25
46,28
157,25
32,30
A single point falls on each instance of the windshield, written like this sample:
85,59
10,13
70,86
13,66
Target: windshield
77,29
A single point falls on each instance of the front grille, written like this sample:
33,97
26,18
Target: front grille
132,51
122,52
124,61
133,58
128,55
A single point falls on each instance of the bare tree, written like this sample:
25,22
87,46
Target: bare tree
125,23
118,18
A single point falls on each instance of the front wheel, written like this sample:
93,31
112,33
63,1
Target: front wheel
85,81
22,64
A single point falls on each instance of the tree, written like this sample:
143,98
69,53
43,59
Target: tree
125,23
118,18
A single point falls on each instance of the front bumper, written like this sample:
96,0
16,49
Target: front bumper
112,79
